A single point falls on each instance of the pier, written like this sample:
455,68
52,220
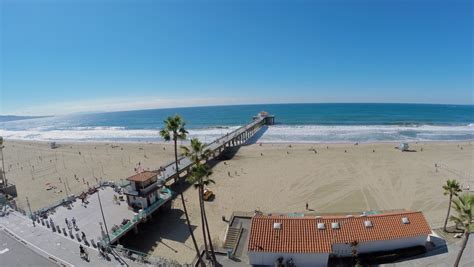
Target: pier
232,139
168,173
101,219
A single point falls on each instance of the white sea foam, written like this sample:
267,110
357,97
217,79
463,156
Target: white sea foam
274,134
105,134
368,133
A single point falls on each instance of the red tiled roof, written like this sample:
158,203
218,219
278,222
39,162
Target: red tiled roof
143,176
301,235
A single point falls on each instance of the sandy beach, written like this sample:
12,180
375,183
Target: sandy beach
32,165
279,178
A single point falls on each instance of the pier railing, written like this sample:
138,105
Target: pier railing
121,230
236,132
184,162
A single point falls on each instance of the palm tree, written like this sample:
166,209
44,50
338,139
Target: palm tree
196,152
205,181
174,130
464,207
451,188
196,176
200,178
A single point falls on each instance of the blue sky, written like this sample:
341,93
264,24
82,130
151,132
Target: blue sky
69,56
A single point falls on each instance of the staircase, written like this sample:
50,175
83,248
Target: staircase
232,238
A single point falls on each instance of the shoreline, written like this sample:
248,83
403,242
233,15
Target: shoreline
187,141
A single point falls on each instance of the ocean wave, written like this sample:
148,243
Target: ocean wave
106,134
272,134
365,133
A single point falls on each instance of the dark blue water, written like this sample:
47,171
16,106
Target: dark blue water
295,123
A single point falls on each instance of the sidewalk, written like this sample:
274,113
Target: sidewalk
59,249
10,248
444,259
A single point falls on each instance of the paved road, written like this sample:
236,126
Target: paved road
15,254
53,245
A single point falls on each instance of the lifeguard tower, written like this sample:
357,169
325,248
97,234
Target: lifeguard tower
146,192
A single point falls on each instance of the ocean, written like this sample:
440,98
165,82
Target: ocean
295,123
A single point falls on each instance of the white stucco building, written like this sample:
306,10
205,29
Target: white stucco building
310,240
145,191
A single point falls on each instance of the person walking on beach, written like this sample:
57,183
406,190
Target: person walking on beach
306,205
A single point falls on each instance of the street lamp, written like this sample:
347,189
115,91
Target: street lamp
103,218
31,214
2,173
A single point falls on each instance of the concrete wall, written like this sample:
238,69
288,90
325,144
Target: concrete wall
153,197
143,201
300,259
321,259
383,245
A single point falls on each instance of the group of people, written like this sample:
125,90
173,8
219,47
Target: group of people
72,224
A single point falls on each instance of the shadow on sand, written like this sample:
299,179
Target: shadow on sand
254,139
169,225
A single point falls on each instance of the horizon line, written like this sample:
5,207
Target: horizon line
229,105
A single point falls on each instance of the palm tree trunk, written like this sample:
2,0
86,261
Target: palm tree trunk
464,243
209,234
188,222
447,215
202,221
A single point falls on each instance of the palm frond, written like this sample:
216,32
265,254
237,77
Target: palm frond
165,134
463,205
452,187
185,150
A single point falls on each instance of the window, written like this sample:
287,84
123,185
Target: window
335,225
277,225
368,224
321,226
405,220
